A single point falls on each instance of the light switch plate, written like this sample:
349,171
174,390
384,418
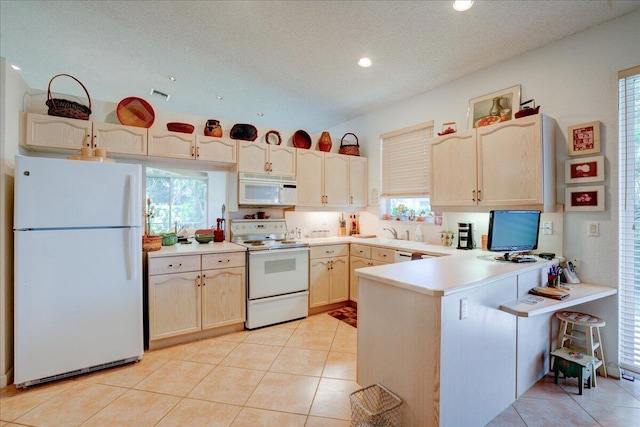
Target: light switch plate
547,227
593,229
463,308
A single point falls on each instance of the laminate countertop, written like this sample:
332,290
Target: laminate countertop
196,248
446,275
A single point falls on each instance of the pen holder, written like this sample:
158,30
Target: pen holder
552,280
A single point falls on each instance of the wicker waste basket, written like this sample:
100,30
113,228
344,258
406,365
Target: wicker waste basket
375,406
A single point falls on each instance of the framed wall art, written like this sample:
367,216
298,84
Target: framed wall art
494,107
584,169
584,139
586,199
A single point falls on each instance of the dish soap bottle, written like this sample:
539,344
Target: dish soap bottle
418,233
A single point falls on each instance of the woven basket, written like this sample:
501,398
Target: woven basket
151,243
351,150
65,108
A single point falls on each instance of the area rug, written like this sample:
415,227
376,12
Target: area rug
347,315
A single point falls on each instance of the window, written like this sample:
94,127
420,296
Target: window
178,197
629,191
405,173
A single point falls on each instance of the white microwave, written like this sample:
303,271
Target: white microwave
266,190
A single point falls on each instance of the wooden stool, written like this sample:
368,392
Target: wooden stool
590,336
573,364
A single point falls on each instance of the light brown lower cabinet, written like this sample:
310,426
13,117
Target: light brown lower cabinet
193,293
329,274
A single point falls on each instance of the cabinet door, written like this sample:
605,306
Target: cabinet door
174,145
358,185
339,279
57,132
212,149
282,160
319,282
174,304
310,177
120,139
336,180
355,263
453,170
510,163
252,157
223,297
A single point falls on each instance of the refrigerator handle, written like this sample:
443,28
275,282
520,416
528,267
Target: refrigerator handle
133,265
130,201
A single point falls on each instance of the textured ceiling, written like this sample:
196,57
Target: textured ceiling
294,61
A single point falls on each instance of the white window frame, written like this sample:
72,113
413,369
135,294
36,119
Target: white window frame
629,220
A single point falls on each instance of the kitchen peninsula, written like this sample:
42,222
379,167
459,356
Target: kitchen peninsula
434,333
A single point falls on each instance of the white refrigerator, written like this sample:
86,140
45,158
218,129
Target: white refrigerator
78,267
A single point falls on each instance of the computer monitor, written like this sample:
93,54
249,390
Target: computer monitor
512,231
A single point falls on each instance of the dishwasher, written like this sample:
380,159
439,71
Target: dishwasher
401,256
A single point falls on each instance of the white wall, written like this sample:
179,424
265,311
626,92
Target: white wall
575,81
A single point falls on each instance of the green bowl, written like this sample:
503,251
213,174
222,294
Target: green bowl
169,239
204,238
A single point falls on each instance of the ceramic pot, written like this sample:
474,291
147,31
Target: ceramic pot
324,143
213,128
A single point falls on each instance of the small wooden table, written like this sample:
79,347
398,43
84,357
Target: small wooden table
573,364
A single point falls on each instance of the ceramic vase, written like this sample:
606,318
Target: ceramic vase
213,128
324,143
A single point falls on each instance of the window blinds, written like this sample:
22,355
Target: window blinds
405,161
629,191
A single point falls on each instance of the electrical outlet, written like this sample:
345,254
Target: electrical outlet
547,227
463,308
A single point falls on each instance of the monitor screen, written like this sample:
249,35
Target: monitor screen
513,231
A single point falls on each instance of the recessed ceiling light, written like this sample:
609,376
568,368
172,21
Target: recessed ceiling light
15,67
172,78
260,114
462,5
364,62
219,98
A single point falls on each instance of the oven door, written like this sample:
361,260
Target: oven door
278,272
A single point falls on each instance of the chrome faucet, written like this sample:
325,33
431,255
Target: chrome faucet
392,231
408,238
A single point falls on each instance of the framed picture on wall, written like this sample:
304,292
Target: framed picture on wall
584,169
584,139
494,107
586,199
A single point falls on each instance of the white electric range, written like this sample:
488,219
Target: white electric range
277,271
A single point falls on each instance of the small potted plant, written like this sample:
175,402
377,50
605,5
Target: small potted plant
150,243
447,237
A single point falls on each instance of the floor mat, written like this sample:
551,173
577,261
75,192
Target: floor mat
348,315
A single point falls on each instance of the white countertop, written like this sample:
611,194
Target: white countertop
578,294
446,275
400,245
196,248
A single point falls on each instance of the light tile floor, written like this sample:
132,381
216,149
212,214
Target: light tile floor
296,374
